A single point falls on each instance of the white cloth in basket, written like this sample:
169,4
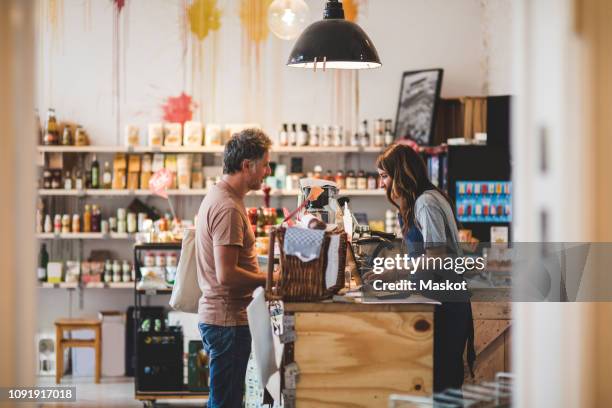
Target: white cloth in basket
303,242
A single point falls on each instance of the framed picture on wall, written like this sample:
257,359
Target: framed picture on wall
416,109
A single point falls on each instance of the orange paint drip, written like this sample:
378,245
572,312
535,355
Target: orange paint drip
178,109
351,10
204,16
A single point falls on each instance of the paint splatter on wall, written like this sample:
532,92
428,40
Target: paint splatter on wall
178,109
254,18
203,16
351,10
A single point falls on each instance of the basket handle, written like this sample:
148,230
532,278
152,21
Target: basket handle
270,261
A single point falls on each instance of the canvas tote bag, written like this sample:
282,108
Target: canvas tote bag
186,292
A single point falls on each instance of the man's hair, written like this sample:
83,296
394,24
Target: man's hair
250,144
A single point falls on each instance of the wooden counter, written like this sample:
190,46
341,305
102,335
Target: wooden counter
358,354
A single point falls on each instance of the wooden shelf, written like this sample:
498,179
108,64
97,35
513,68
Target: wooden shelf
203,149
85,235
190,192
90,285
126,149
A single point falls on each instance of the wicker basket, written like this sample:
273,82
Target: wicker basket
303,281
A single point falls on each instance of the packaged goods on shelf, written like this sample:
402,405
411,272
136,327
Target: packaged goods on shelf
156,134
171,165
158,162
197,177
134,167
192,134
146,170
119,171
212,136
173,134
55,272
73,271
132,135
184,164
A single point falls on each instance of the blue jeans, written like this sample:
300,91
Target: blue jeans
228,350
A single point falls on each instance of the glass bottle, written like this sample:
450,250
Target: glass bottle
340,180
107,177
95,173
388,135
379,133
78,180
51,129
362,181
351,181
127,271
108,271
372,181
293,135
68,181
303,135
283,136
315,137
338,136
327,134
356,139
43,261
116,271
95,218
76,223
48,224
67,136
87,219
365,135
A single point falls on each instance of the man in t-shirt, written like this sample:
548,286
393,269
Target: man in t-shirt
227,265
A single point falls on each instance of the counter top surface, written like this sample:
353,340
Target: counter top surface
341,307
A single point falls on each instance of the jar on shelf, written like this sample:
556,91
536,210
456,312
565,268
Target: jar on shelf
171,259
372,182
66,223
340,180
47,178
160,259
132,224
108,271
351,181
127,271
362,181
117,276
149,259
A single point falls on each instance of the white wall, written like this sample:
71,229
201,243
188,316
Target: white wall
75,76
76,73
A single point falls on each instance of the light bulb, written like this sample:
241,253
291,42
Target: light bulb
287,18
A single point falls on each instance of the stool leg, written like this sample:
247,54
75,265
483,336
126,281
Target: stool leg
59,355
98,347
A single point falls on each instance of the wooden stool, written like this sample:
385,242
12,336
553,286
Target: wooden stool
61,343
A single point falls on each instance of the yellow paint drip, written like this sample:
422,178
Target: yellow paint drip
254,18
204,16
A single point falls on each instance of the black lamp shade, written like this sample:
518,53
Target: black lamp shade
334,43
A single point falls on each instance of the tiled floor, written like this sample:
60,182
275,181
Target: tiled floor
111,392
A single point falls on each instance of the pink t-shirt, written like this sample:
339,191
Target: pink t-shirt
222,220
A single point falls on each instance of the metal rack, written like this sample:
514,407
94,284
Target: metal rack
149,398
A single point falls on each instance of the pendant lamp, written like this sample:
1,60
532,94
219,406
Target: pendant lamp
334,43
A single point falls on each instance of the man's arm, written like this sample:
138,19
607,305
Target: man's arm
229,273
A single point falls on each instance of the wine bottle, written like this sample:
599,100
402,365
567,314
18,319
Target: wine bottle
43,261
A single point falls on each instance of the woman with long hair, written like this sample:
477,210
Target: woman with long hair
429,228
